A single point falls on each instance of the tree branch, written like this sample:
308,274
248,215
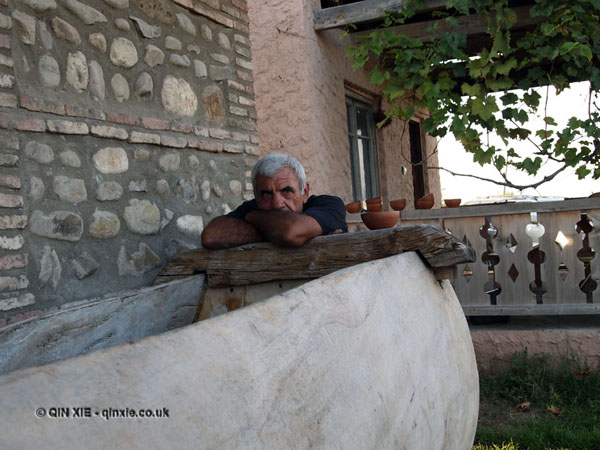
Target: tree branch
506,183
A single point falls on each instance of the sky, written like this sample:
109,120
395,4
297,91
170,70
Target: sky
572,102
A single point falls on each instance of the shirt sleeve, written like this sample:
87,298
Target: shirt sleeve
241,211
329,211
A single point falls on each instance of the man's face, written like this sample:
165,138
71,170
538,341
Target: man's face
281,191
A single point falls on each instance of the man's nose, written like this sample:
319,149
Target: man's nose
278,201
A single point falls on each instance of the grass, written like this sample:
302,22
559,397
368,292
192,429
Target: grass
537,403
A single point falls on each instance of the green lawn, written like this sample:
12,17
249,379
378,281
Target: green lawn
540,404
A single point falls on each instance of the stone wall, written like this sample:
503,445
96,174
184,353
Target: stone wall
125,125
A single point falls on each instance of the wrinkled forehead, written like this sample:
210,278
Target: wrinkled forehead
285,177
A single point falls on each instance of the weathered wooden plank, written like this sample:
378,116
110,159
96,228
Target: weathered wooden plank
257,263
469,25
578,204
533,310
364,11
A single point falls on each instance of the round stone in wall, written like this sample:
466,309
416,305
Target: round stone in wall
97,86
206,32
172,43
123,53
40,5
40,153
142,217
200,69
223,41
111,160
141,155
122,24
117,4
235,187
70,190
205,190
213,102
98,40
66,31
186,24
49,71
162,187
61,225
190,225
25,26
70,159
45,36
144,85
178,97
154,56
109,190
77,71
169,162
187,190
120,87
193,162
105,225
36,188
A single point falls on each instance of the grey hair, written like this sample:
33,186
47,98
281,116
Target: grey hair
271,164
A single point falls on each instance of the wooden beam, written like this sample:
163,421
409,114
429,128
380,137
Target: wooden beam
507,208
365,11
257,263
469,25
532,310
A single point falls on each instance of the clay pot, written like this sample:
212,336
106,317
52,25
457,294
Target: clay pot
353,207
374,207
398,205
378,220
425,202
374,200
452,202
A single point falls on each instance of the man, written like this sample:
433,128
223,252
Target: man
282,210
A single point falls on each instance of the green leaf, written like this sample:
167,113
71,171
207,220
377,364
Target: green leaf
510,98
377,77
582,172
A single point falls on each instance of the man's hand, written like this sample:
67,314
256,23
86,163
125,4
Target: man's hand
284,228
226,232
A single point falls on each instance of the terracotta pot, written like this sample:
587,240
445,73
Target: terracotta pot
353,207
374,207
377,220
425,202
374,200
398,205
452,202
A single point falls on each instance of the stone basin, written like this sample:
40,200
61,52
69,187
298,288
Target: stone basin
377,355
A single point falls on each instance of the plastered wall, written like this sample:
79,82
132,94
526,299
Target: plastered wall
300,78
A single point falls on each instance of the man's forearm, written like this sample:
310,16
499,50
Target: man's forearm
226,232
283,227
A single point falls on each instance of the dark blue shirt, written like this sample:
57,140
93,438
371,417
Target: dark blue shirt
329,211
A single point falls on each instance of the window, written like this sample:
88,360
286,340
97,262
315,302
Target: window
416,159
363,151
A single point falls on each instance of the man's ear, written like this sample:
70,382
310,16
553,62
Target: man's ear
306,190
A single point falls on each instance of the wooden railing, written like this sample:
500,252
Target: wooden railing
534,258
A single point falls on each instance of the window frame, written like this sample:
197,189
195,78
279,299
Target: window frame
369,172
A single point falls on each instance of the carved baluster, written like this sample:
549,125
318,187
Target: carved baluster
586,254
536,257
488,232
